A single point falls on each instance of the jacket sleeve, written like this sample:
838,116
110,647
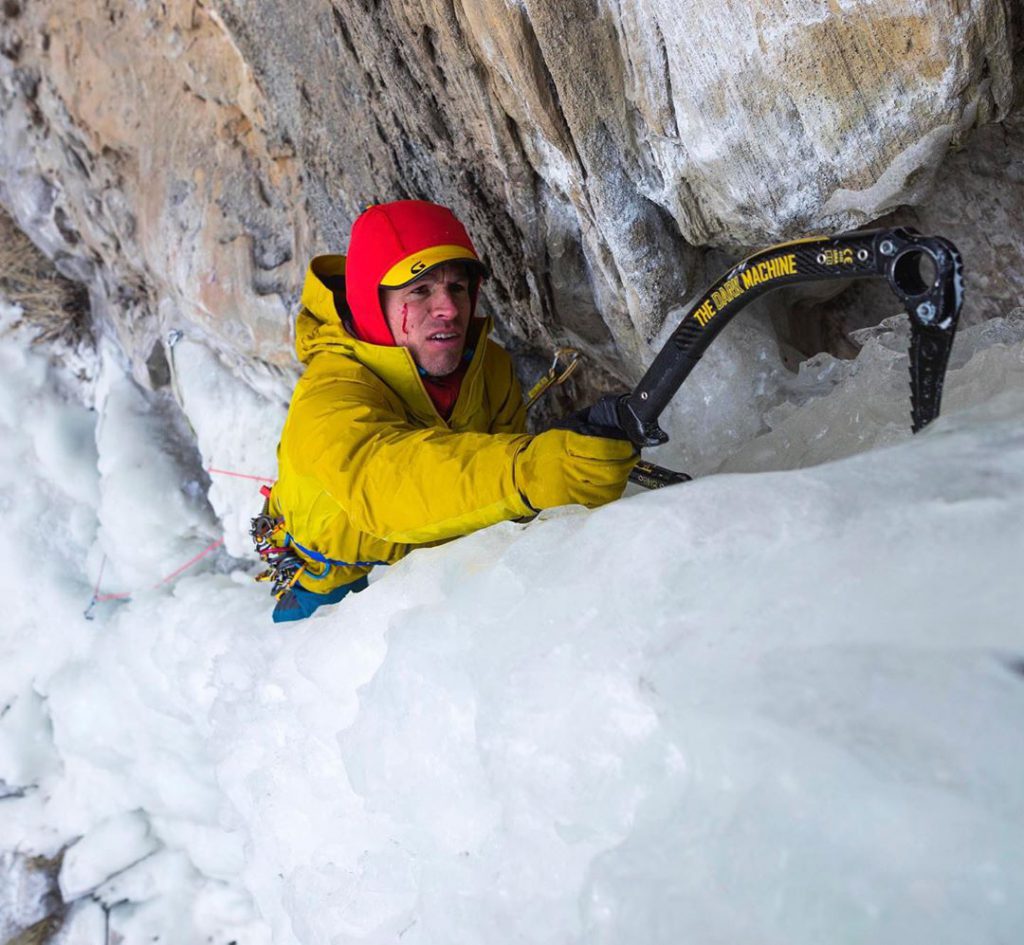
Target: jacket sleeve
399,482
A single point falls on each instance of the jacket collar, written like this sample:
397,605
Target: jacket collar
319,328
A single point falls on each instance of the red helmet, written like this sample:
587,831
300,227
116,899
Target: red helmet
393,244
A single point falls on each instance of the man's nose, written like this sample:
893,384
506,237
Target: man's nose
444,304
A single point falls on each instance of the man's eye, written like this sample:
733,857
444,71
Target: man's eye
457,286
419,290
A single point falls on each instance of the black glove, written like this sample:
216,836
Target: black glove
600,419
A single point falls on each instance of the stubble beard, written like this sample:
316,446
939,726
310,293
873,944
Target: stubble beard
443,363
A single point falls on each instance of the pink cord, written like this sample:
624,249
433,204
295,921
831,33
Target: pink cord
98,598
238,475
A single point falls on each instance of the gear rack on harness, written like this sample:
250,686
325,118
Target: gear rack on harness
284,566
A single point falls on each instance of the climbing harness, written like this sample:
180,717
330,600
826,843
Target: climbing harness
285,558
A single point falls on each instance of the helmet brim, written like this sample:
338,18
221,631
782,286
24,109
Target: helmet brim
419,264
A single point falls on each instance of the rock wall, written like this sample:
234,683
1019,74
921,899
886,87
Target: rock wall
184,159
134,153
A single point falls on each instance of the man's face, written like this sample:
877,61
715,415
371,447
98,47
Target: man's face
430,317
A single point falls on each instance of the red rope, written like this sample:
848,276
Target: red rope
213,546
238,475
98,598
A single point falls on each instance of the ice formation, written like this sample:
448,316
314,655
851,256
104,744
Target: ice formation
760,707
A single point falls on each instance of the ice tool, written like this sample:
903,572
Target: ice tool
924,272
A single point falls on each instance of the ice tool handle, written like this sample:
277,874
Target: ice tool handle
925,273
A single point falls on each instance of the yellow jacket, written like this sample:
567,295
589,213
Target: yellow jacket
366,465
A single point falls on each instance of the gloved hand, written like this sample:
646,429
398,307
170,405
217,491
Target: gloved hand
599,419
585,462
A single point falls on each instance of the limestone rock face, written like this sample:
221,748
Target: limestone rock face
184,159
135,153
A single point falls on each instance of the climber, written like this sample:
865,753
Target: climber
407,427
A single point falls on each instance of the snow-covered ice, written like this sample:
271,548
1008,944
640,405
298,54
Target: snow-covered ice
762,707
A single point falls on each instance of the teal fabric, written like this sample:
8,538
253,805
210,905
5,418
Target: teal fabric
297,603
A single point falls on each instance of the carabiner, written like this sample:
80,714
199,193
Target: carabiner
565,361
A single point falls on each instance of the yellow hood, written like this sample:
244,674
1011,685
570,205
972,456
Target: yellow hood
320,328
